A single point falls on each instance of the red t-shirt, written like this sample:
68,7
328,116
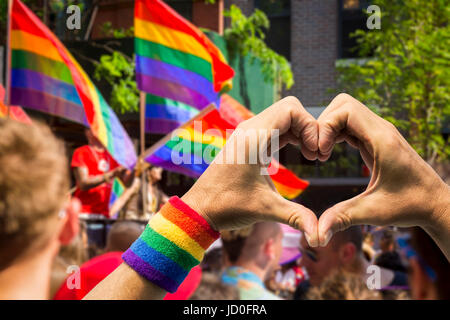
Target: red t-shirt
95,200
91,273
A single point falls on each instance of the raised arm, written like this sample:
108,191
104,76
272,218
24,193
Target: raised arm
228,195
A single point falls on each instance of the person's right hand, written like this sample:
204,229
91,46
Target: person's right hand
403,190
232,195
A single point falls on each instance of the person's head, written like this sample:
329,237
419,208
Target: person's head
122,235
213,261
258,246
429,274
91,138
154,174
342,252
387,241
36,215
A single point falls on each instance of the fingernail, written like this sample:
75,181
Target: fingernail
311,242
328,236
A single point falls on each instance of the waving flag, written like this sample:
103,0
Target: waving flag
198,145
45,77
116,191
176,64
15,112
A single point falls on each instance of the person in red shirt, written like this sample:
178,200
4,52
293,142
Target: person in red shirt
94,169
121,235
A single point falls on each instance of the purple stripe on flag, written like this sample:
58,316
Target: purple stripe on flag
161,126
123,146
41,101
148,272
170,112
155,160
165,71
171,90
23,78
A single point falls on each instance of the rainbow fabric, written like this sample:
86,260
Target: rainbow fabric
173,242
190,142
190,149
176,64
46,77
116,191
163,115
14,112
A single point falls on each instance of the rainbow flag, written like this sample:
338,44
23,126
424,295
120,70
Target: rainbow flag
190,150
15,112
117,190
46,77
176,64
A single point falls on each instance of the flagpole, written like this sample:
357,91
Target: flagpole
8,58
142,120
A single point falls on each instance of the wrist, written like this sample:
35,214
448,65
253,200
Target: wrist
200,202
106,177
439,218
173,242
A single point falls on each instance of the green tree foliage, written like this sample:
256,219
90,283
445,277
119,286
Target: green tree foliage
246,35
406,78
118,70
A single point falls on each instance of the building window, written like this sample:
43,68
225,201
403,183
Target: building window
278,37
351,18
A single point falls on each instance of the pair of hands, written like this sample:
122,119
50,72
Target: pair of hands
403,190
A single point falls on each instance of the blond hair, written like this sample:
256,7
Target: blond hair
343,285
34,182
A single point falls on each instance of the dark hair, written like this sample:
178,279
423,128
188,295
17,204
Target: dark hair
390,260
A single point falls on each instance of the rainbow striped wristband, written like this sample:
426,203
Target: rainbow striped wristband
173,242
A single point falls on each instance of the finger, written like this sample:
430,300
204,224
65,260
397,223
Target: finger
361,209
358,124
288,138
286,115
337,101
298,217
308,154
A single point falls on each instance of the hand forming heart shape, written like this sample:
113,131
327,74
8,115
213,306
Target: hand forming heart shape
233,196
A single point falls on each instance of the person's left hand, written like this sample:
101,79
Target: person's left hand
231,195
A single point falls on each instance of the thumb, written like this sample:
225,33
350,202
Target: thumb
355,211
298,217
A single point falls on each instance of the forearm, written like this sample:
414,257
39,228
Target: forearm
125,284
91,182
86,182
173,242
439,225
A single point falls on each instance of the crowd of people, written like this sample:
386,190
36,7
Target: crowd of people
63,237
